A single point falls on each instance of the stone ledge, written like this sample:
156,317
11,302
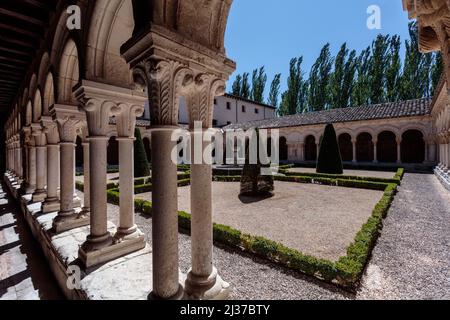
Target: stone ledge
443,177
126,278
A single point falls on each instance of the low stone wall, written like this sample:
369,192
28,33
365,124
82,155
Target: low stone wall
126,278
443,177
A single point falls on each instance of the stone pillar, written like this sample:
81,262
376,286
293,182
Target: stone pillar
126,123
86,182
69,120
51,203
40,194
302,151
100,102
203,281
399,151
354,160
375,153
31,185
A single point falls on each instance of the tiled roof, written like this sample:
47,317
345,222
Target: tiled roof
410,108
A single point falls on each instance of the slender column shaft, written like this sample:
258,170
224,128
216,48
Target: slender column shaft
354,152
399,152
52,172
99,236
87,182
201,223
165,219
67,178
375,153
40,170
32,167
126,182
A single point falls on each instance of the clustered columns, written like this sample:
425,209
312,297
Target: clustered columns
30,184
100,102
203,281
182,69
51,203
40,194
69,120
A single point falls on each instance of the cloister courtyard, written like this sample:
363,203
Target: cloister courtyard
99,201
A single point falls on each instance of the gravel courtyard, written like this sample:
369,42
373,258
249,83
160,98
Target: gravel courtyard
411,259
358,173
316,220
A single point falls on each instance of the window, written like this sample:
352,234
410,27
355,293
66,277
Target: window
228,105
244,109
256,110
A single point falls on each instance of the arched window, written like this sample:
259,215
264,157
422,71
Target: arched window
413,147
387,147
310,148
346,147
364,148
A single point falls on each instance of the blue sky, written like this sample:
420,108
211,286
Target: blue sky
270,33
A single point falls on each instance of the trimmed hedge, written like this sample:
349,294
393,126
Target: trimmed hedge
346,272
396,179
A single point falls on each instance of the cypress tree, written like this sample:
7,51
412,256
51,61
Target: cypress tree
141,166
330,160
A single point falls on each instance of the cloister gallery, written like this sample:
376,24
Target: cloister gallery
90,85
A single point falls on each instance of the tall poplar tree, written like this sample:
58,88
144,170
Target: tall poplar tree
274,92
319,78
259,80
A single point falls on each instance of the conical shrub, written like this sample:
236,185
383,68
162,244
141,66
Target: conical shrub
141,166
330,160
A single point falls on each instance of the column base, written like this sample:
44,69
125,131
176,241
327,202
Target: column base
106,249
64,223
206,288
39,196
51,205
180,295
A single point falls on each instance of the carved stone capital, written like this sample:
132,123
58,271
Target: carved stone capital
50,129
38,133
101,101
126,120
200,95
69,119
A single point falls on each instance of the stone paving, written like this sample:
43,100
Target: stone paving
357,173
24,274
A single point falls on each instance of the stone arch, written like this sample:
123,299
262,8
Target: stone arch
32,87
283,149
44,68
111,26
294,137
49,93
37,106
364,147
413,146
387,147
310,148
69,73
346,146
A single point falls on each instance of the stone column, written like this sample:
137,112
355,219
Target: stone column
40,194
399,151
203,281
302,151
86,182
100,102
69,121
375,153
126,123
354,151
51,203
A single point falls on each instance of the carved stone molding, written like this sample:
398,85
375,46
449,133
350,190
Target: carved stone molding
101,101
50,130
69,120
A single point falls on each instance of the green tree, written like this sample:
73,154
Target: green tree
245,88
291,99
319,78
361,88
377,73
237,86
259,80
330,160
436,72
342,78
274,92
393,70
141,166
